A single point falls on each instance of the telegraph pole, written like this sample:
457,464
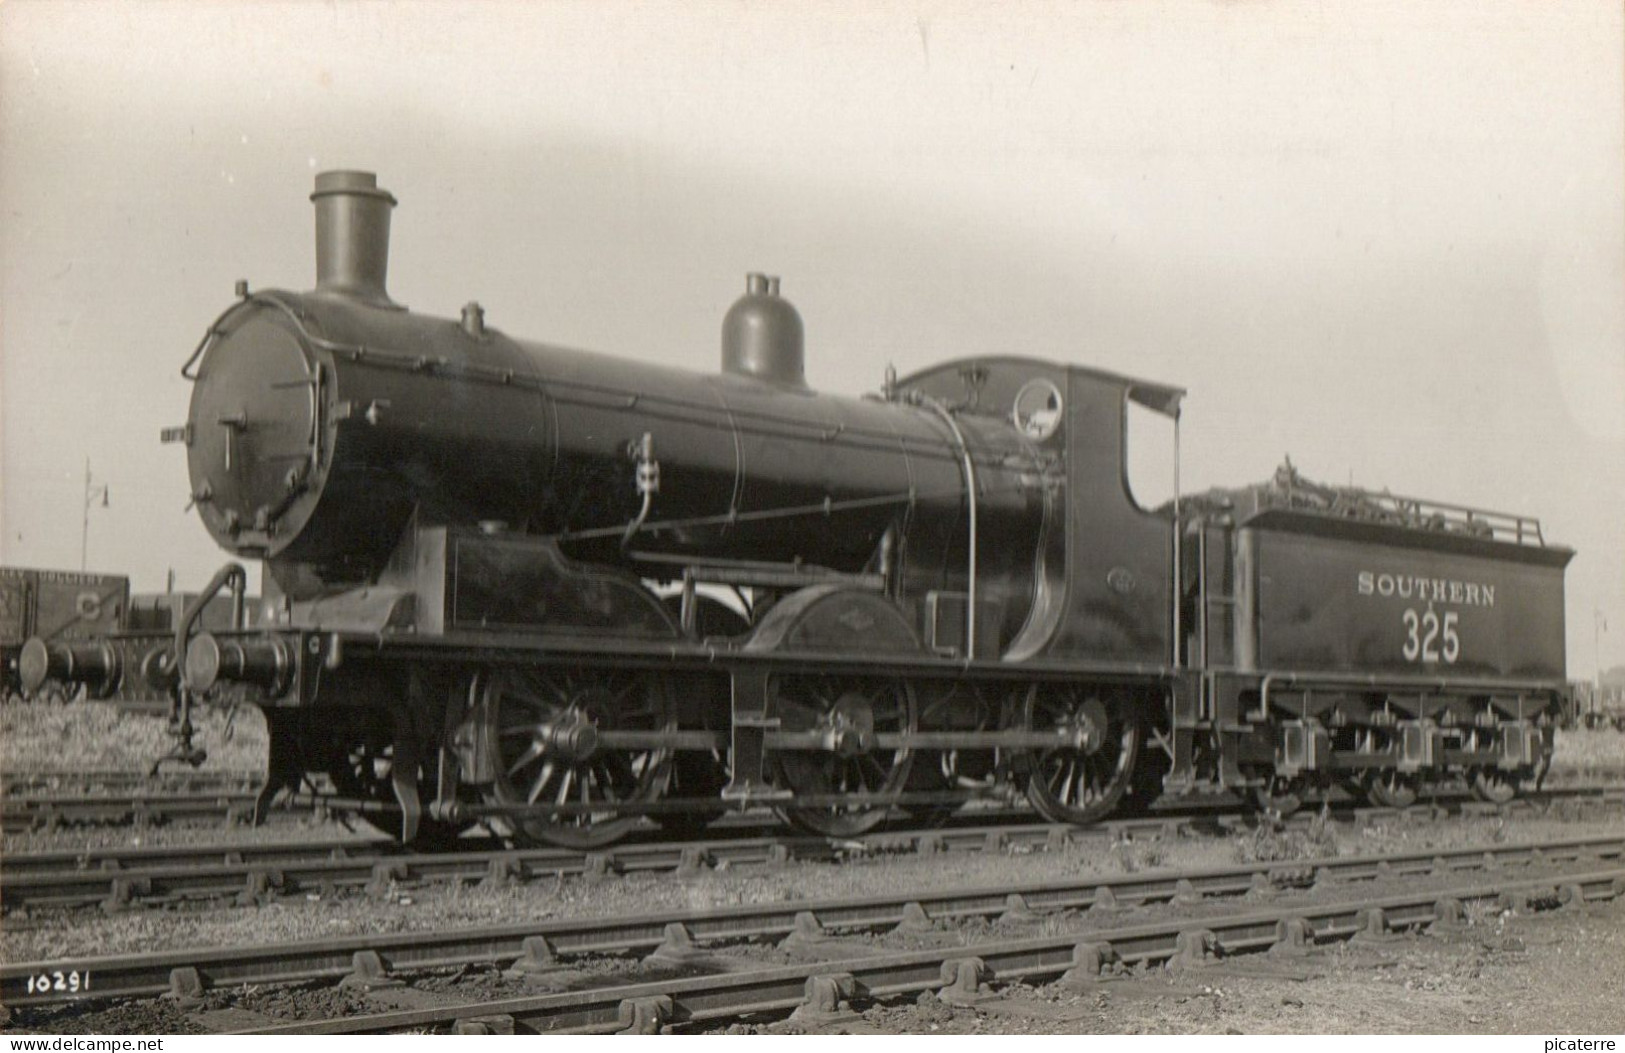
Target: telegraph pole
91,493
1598,624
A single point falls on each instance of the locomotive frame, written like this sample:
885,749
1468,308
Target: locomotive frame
495,571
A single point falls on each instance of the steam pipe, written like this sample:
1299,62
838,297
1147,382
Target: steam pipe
1178,591
647,478
238,577
922,399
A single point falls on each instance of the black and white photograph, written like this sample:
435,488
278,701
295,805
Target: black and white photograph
899,518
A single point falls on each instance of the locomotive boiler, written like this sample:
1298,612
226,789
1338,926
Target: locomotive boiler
323,424
560,592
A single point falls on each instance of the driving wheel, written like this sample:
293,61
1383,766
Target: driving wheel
846,712
1083,777
585,741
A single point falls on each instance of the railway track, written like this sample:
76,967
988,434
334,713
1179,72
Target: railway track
116,878
49,812
227,798
129,783
43,801
1594,866
819,995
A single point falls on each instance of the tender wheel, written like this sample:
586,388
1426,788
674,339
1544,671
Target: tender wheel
1081,780
546,727
1280,795
1391,789
848,711
1494,785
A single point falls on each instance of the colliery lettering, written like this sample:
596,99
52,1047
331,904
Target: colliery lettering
68,577
1428,590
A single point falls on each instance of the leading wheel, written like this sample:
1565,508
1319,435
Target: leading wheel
847,712
361,766
586,740
1083,777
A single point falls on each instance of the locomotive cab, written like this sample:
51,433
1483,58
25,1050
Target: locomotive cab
1104,566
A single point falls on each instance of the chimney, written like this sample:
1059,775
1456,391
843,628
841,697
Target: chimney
352,237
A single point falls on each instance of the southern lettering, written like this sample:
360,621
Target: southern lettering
1427,590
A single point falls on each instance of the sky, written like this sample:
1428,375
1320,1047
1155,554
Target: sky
1386,239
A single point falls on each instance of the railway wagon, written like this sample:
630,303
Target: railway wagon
557,592
1594,706
54,605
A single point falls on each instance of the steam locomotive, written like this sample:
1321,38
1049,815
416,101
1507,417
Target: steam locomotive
560,592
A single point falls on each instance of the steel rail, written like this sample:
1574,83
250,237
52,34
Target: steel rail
45,812
114,878
233,801
21,814
120,877
1439,795
195,969
959,974
17,785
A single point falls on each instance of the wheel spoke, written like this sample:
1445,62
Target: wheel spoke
525,758
1090,786
620,772
548,771
533,711
542,778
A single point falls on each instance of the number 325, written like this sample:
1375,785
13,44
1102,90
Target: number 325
1428,639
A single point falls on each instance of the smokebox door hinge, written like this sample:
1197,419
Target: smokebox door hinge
182,434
